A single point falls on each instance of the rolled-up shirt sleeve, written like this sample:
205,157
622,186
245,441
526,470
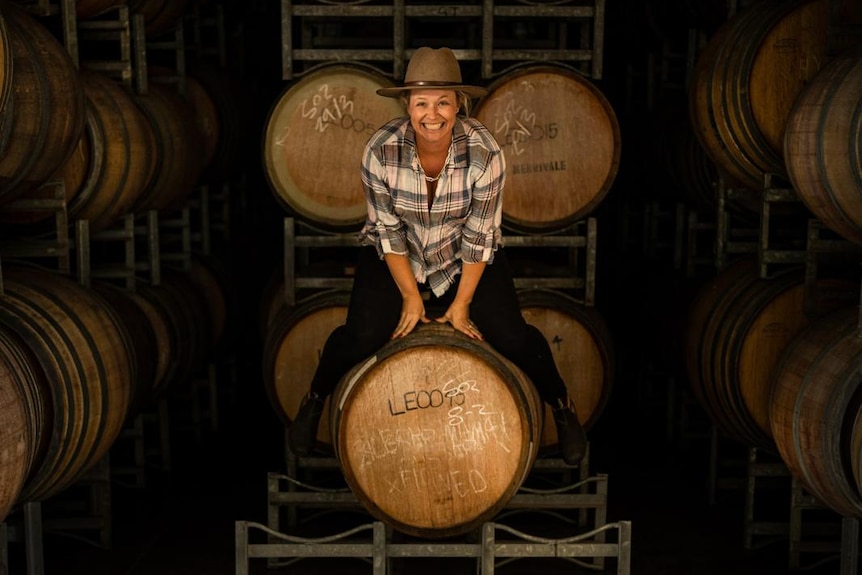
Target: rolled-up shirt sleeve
383,224
482,232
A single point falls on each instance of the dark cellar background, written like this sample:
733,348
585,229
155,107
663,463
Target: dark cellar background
652,438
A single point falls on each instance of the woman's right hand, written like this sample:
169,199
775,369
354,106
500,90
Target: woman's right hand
412,312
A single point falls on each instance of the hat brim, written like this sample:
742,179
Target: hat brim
472,91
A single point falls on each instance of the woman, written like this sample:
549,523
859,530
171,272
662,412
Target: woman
433,182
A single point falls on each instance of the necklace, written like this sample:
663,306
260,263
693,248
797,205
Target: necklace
431,180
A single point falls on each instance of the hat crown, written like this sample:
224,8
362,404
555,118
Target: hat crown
433,66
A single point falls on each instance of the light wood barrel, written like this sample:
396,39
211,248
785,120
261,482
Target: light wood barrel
822,149
746,80
88,364
23,416
562,144
582,348
42,119
816,397
314,138
436,432
293,343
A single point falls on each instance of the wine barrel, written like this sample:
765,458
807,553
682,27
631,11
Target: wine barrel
821,145
562,144
227,162
23,416
178,149
163,356
143,342
88,365
292,346
122,153
43,117
313,142
213,287
816,396
583,351
179,302
746,80
436,432
737,329
206,118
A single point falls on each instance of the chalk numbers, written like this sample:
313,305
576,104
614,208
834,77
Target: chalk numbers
327,109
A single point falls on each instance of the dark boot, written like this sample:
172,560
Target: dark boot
302,434
570,435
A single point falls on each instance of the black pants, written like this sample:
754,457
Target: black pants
375,307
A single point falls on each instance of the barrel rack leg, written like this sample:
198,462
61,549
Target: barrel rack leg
849,545
4,548
758,469
33,538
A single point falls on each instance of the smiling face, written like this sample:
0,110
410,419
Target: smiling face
432,115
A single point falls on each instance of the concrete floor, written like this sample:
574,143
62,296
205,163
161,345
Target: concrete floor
183,521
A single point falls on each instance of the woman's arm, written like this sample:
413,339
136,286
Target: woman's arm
458,313
412,306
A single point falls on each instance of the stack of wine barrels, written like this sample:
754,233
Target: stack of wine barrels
76,362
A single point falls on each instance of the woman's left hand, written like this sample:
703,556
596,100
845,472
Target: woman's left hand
459,316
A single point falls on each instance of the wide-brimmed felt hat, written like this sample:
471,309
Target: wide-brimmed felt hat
430,69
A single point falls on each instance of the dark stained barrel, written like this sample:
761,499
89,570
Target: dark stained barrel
821,145
746,80
215,290
737,329
178,145
293,343
562,144
24,416
85,354
435,432
42,119
122,153
177,302
143,342
816,399
313,142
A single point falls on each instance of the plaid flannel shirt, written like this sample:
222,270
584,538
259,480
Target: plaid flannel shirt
464,221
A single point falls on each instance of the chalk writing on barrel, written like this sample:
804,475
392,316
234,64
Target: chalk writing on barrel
517,125
477,428
430,474
326,109
447,396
